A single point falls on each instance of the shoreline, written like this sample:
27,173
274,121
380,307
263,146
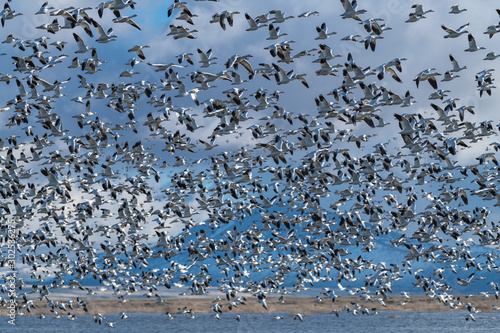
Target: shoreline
292,304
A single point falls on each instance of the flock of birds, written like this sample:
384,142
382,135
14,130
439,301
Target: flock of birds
272,200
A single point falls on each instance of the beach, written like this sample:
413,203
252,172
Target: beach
292,304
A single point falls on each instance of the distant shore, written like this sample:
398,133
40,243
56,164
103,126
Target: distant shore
292,304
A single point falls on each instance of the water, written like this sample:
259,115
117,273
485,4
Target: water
389,321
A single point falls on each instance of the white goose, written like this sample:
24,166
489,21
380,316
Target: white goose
137,49
351,10
491,56
492,30
455,33
279,17
456,66
310,13
274,33
253,25
178,5
323,32
82,48
104,36
455,10
472,45
429,75
44,9
127,19
419,11
206,58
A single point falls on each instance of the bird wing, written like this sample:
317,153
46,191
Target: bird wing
80,42
472,42
448,30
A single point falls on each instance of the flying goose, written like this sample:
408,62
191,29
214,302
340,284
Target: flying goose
472,45
351,10
82,48
206,58
137,49
310,13
181,32
178,5
326,68
492,30
455,33
186,16
491,56
279,17
455,10
104,36
185,56
448,76
414,18
456,66
370,41
274,33
323,32
126,19
221,17
44,9
429,75
419,11
253,24
371,25
352,38
182,92
283,78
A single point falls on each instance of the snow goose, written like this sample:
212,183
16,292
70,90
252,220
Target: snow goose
419,11
274,33
253,24
178,5
236,60
491,30
279,17
351,10
456,66
182,92
370,41
82,48
323,32
221,17
185,56
371,25
44,9
181,32
120,4
448,76
455,33
138,50
429,75
104,36
472,45
352,38
413,18
127,19
185,16
326,68
491,56
455,10
307,14
486,88
206,58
